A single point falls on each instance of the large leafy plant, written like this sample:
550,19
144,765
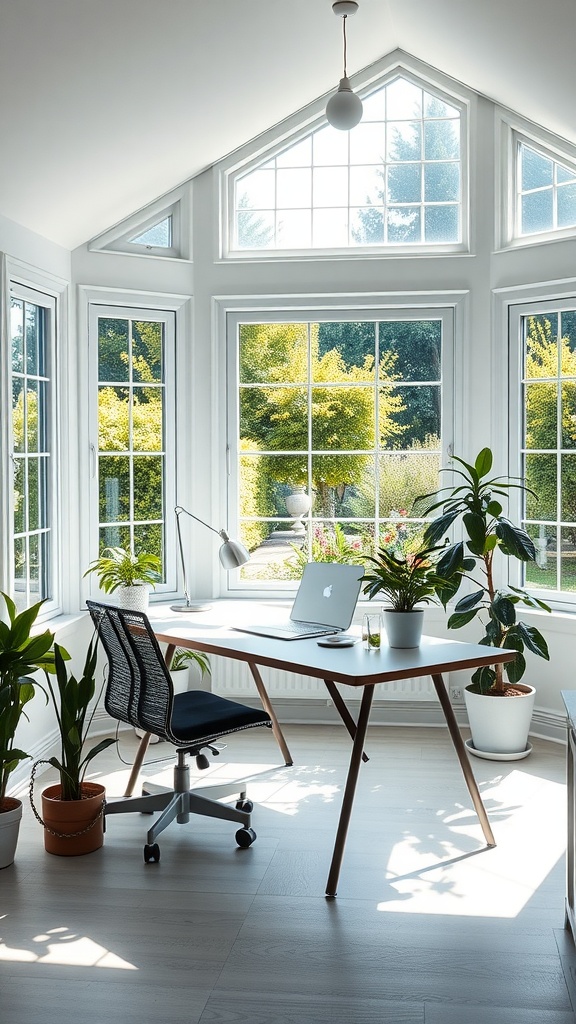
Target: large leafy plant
118,567
406,580
475,502
20,654
71,698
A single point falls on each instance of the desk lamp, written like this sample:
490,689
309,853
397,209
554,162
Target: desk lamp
232,555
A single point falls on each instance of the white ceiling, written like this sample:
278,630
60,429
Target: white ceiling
108,104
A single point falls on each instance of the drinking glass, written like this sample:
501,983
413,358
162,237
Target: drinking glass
371,631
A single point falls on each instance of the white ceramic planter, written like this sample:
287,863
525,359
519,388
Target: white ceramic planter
298,504
9,829
500,725
403,629
134,599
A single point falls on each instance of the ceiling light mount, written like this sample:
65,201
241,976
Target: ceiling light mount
344,109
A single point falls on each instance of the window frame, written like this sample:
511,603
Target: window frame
513,133
537,302
235,167
99,305
22,281
448,307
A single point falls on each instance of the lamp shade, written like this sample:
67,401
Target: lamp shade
232,553
344,108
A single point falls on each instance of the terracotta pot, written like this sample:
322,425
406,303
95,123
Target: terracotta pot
67,818
10,816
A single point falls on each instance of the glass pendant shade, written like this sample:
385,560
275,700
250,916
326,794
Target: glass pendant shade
344,108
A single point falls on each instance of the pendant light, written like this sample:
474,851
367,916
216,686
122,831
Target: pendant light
344,108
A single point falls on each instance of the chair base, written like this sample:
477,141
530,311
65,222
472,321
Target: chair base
178,803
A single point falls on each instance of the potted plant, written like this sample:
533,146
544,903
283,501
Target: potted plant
475,503
20,654
73,810
130,574
407,580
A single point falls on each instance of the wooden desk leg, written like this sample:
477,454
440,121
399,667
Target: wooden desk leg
463,758
138,760
278,734
342,710
350,789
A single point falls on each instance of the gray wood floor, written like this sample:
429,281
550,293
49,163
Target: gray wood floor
428,927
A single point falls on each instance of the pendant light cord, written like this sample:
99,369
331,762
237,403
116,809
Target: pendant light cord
344,16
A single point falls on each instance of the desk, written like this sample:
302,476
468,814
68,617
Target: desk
350,666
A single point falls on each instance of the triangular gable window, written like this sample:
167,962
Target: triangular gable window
157,231
158,236
395,181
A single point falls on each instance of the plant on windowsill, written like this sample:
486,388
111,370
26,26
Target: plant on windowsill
118,569
21,653
407,580
475,503
73,810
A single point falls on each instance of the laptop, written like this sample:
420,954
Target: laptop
324,604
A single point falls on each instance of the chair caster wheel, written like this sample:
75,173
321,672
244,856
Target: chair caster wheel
151,853
245,805
245,837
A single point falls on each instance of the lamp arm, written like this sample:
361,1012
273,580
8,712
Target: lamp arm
179,509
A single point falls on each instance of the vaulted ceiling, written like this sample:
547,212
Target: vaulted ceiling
106,105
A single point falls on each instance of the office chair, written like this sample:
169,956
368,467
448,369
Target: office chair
139,691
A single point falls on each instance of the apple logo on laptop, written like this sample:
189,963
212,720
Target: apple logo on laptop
327,592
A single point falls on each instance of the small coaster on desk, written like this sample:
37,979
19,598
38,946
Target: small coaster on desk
340,640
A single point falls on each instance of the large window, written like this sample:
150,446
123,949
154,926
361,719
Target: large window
32,330
395,180
339,430
133,350
548,338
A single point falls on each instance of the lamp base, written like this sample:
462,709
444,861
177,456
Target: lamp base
192,606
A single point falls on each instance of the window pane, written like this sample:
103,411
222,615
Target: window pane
148,478
342,418
32,316
113,419
441,223
404,100
404,183
147,351
112,349
330,228
403,477
541,415
541,478
294,188
159,235
537,170
416,345
566,206
366,186
404,141
441,140
273,353
441,182
147,420
255,231
330,186
404,224
537,212
568,482
114,480
294,229
542,572
568,560
367,226
257,191
17,331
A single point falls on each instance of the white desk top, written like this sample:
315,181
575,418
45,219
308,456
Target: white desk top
212,632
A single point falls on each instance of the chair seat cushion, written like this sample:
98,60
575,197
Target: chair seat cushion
197,713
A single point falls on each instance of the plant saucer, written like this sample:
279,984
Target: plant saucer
491,755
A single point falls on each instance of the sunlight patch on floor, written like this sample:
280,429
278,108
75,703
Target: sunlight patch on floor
64,948
497,882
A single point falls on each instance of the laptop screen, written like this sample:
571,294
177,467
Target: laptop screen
327,594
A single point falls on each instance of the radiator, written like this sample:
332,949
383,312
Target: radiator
233,679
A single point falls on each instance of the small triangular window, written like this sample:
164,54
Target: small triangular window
157,236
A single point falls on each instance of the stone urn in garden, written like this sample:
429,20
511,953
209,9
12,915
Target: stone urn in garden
298,504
